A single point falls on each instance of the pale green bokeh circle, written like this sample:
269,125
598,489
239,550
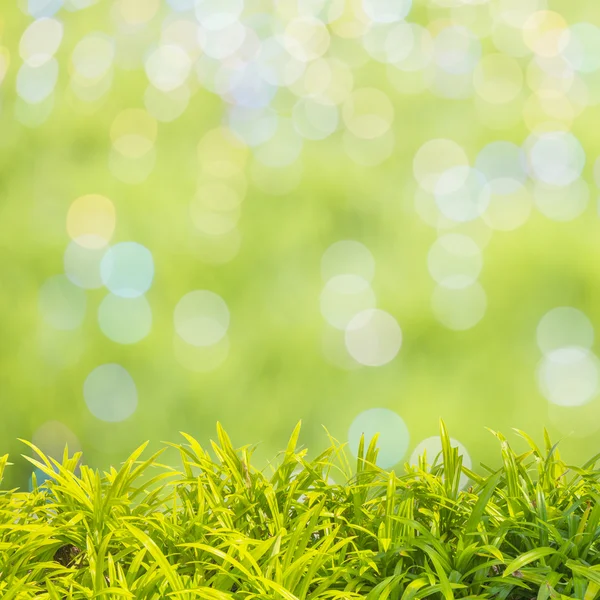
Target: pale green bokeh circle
393,435
125,320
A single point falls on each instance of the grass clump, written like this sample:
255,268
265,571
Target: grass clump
218,529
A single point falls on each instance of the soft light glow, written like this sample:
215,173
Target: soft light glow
52,437
569,376
564,327
368,113
582,47
393,436
136,13
217,14
125,320
36,84
276,181
343,297
544,33
91,220
564,202
504,166
516,12
132,168
454,261
166,106
556,158
576,421
459,309
462,194
386,11
373,338
253,126
315,120
456,50
61,349
201,359
222,43
325,11
306,39
127,269
41,8
4,62
328,80
282,148
389,43
508,211
110,393
498,78
420,55
168,67
347,257
133,132
276,64
62,304
369,152
216,208
436,157
93,56
201,318
40,41
333,345
82,260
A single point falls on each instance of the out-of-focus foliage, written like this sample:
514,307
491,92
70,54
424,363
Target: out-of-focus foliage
363,213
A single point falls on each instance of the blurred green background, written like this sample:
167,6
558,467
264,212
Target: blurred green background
234,211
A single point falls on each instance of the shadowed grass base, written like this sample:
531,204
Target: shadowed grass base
218,529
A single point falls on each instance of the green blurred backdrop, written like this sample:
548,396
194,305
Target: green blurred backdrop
221,210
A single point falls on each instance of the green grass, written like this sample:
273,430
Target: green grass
216,528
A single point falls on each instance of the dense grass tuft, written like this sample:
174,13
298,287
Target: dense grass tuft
217,528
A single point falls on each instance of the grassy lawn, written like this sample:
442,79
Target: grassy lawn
218,528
